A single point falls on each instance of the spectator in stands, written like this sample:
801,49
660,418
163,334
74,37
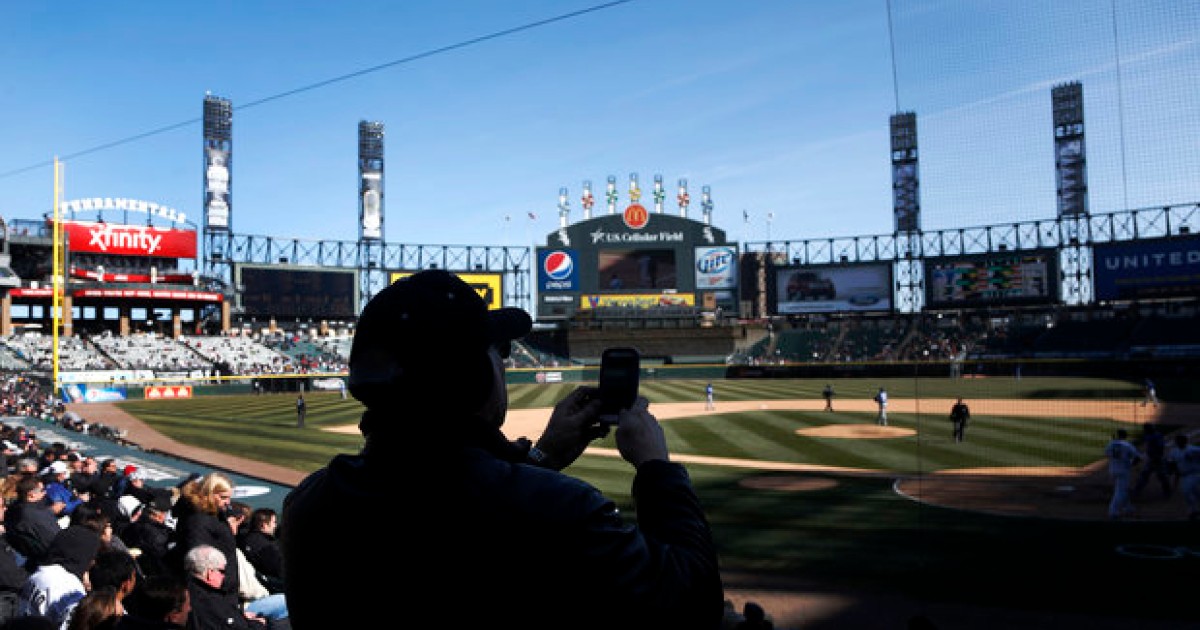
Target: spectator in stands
160,602
104,486
207,571
55,479
137,487
25,467
754,618
529,528
114,570
31,525
89,516
12,574
95,609
261,547
201,514
151,535
255,597
57,584
82,479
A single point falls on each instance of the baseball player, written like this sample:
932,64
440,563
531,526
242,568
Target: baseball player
1122,457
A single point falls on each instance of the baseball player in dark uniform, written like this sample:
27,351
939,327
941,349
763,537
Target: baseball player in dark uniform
959,414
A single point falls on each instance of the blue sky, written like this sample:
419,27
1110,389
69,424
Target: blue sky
780,106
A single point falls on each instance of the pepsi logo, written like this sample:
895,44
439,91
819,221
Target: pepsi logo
558,265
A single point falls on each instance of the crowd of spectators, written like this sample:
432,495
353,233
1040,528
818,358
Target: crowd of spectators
87,544
960,336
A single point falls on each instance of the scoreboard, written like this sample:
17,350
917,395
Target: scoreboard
293,291
992,279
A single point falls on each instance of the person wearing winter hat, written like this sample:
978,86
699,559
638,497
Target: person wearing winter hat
58,583
488,516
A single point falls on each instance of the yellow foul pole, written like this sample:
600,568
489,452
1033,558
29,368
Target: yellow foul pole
57,279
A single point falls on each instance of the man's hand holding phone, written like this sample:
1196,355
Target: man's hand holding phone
619,376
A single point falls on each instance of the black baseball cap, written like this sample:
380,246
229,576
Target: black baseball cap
426,321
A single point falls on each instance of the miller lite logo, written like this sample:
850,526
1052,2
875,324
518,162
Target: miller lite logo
716,261
558,265
636,216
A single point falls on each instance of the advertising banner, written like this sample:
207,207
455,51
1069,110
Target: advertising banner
1147,269
129,240
558,270
82,393
637,300
489,286
716,267
217,189
831,288
167,392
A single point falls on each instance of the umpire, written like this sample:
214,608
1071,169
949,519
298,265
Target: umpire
959,414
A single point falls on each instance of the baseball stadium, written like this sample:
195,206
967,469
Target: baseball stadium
180,345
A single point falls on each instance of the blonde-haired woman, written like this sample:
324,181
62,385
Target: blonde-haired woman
201,514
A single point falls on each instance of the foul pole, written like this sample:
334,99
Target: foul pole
57,279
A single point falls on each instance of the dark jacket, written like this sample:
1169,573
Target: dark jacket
262,550
495,544
212,610
154,540
194,527
12,575
30,528
74,549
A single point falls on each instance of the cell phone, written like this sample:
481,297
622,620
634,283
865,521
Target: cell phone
619,371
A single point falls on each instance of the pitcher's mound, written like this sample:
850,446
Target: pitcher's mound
861,431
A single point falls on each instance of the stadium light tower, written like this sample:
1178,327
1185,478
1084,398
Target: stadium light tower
217,183
906,201
370,180
1070,161
370,207
906,207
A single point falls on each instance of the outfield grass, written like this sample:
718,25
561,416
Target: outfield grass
857,534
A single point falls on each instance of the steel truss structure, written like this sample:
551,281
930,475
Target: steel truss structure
373,259
1071,236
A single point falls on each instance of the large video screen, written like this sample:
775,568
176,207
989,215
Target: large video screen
297,292
1026,277
622,270
830,288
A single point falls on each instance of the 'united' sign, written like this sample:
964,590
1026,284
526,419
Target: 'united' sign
129,240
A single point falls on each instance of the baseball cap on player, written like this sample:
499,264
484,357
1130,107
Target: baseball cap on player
429,325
